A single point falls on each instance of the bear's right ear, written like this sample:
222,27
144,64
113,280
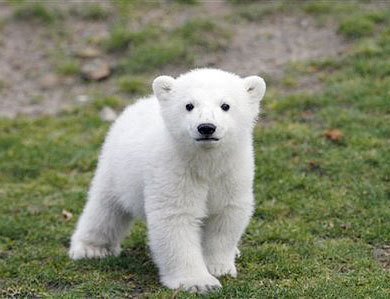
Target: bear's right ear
162,87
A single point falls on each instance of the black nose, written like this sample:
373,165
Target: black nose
206,129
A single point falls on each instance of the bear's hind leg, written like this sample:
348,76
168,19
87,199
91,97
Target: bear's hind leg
100,229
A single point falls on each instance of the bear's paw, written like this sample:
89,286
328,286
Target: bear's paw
83,251
202,284
220,269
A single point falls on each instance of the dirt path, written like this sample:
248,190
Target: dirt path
268,46
30,85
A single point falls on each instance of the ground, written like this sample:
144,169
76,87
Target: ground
321,224
41,61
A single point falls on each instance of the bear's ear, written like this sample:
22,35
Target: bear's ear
162,87
255,87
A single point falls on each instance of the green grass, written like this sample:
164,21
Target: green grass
322,206
134,85
68,67
110,101
260,11
121,39
186,1
360,24
92,12
152,56
204,34
319,7
153,47
35,11
356,26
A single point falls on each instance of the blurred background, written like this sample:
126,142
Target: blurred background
59,53
321,226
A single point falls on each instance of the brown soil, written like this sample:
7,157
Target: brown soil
382,255
268,46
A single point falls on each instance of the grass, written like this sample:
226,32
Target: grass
153,56
356,26
256,12
318,7
35,11
322,205
186,1
110,101
204,34
365,24
154,47
68,67
121,39
134,85
92,12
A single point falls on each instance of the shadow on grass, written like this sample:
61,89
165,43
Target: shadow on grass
133,268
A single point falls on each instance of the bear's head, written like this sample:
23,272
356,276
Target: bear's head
209,107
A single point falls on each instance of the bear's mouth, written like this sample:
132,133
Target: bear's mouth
207,139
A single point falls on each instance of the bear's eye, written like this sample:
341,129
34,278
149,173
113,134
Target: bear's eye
225,107
189,107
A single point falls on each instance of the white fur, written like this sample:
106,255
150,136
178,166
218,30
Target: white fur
196,196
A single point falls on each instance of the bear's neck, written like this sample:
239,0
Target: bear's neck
213,161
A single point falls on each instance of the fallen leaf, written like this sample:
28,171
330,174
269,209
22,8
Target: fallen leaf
307,115
66,214
333,134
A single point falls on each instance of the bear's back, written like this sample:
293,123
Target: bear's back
134,133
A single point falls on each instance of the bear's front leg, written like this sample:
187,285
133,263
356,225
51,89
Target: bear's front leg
222,232
175,242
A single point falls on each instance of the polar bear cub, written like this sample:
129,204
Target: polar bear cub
183,160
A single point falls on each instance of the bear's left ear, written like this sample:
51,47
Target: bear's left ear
255,87
162,87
